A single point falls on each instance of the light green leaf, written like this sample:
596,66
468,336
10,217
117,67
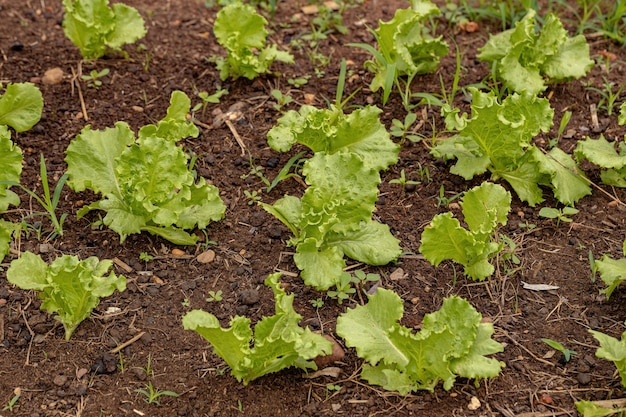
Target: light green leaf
372,243
321,266
278,342
612,272
92,158
601,152
613,350
174,126
444,239
6,235
568,182
129,26
69,287
486,206
21,106
10,168
591,409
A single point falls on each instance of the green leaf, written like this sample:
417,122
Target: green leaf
484,208
523,58
92,158
452,342
591,409
21,106
69,287
7,229
10,169
567,181
612,272
613,350
93,26
278,342
174,126
241,30
146,184
129,26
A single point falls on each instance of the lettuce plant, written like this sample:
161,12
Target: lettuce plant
613,350
278,341
452,342
145,182
405,48
522,59
94,27
241,30
612,271
334,216
68,287
484,209
20,108
605,155
497,138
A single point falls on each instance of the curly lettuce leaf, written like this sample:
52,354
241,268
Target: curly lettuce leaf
523,58
68,287
497,138
174,126
484,208
605,155
334,218
21,106
7,229
278,342
11,169
452,342
145,183
613,350
404,46
330,131
93,26
241,30
591,409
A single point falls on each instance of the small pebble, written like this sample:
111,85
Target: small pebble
60,380
52,76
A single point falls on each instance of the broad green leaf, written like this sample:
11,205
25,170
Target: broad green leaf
601,152
92,158
613,350
129,26
288,210
591,409
372,243
321,266
568,182
367,328
174,126
10,168
525,180
6,235
21,106
522,57
69,287
232,344
612,272
278,341
486,206
452,342
444,239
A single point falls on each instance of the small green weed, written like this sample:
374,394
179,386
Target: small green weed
559,214
153,394
567,354
214,296
93,79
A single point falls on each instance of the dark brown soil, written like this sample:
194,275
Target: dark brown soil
56,377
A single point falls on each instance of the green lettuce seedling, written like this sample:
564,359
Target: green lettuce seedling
612,271
613,350
484,209
521,58
497,138
94,27
405,48
278,341
604,154
241,30
20,108
334,216
452,342
68,287
145,182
